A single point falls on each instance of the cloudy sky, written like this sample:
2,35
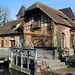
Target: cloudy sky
14,5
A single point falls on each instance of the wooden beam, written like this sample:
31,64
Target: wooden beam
37,34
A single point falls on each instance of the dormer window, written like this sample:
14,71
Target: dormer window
16,26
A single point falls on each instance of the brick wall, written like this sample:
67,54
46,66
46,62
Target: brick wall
7,42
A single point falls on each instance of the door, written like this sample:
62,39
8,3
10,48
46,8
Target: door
2,43
12,43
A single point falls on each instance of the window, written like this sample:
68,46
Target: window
2,43
37,23
62,40
71,41
37,20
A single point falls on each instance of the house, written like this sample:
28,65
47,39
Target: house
69,12
43,22
39,26
12,32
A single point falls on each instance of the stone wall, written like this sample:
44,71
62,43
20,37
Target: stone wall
40,69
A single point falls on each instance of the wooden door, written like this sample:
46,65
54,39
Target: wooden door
12,43
2,43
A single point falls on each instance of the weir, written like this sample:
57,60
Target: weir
20,59
23,60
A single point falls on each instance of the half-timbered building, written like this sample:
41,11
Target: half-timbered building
39,27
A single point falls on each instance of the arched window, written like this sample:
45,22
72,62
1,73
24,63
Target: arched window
62,40
71,41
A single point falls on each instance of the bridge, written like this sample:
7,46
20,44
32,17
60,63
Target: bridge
23,60
20,59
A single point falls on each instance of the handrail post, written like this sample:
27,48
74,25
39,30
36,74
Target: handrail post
28,60
21,56
16,57
36,54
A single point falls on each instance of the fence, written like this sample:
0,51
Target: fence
22,60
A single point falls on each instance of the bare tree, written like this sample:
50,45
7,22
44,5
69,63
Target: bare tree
4,15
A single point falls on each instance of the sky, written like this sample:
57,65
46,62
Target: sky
14,5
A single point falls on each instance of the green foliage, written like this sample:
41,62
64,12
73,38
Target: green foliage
51,44
60,51
71,66
58,36
47,67
13,59
71,57
24,60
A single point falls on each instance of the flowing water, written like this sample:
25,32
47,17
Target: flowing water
4,70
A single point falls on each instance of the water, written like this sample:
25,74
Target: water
4,70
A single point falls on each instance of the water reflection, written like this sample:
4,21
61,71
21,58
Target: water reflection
4,70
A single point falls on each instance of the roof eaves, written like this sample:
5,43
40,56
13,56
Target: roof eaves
73,11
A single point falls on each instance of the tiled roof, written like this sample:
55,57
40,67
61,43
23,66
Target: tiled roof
69,12
21,11
11,27
56,15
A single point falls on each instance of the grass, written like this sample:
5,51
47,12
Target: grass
47,67
71,66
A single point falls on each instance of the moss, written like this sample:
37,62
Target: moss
47,67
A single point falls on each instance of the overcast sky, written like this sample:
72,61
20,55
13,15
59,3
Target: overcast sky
14,5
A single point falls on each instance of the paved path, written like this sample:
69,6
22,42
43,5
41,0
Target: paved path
66,71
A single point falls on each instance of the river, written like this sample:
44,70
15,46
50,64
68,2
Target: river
4,70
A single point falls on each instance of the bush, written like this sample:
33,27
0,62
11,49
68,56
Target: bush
60,51
70,57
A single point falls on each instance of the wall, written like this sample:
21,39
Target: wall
66,31
7,42
45,23
40,69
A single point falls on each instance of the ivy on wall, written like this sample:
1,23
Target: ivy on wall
58,40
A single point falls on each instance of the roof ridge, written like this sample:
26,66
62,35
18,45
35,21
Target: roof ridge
64,8
14,20
43,4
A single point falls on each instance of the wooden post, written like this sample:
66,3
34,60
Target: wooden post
21,56
16,57
11,56
28,60
36,54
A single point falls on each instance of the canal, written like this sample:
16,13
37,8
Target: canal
4,70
